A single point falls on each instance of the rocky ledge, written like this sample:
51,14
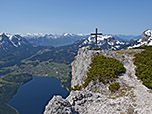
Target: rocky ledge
132,97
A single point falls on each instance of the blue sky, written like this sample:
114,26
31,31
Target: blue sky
129,17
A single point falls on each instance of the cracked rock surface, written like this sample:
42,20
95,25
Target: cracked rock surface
132,97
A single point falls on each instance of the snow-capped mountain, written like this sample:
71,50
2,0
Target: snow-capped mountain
146,39
9,42
110,42
105,42
53,40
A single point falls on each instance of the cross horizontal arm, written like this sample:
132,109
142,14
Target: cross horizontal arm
96,34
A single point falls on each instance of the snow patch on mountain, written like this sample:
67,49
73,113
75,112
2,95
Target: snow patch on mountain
66,34
146,39
49,36
148,33
53,39
8,42
104,37
105,42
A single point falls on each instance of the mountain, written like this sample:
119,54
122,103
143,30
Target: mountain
108,42
53,40
10,42
14,48
20,64
145,40
112,42
23,59
96,92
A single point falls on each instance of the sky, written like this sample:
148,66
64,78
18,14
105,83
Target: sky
127,17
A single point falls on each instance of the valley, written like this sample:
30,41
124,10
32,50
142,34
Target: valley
21,60
20,64
75,57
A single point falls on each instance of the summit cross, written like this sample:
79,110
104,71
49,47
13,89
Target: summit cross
96,35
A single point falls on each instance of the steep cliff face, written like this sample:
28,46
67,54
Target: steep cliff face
81,64
132,97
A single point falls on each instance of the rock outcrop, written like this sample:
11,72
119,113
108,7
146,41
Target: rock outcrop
132,97
146,39
58,105
81,64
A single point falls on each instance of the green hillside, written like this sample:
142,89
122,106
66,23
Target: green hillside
19,66
143,61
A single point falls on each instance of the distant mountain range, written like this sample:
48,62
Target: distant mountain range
10,43
66,38
53,40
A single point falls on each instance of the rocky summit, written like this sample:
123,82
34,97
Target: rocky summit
131,98
146,39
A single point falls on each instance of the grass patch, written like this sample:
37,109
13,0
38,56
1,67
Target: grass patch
13,73
143,61
150,91
76,87
114,86
52,74
104,68
96,49
128,51
126,91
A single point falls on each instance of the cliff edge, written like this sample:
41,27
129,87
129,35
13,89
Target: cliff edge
132,97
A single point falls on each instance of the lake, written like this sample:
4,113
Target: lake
33,96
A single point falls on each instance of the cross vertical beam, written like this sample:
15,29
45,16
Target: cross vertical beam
96,35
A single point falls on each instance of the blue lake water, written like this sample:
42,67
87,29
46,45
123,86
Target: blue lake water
33,96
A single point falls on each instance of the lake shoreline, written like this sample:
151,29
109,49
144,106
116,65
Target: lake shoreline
38,79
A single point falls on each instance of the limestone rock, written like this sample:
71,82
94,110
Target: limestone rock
132,98
58,105
81,64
